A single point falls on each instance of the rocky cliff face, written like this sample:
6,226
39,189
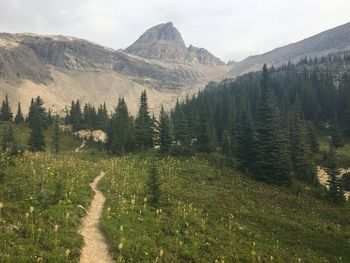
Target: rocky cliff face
164,42
17,61
202,56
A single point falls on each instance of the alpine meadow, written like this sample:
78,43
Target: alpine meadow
162,151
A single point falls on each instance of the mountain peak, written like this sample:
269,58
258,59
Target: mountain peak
162,32
164,42
169,24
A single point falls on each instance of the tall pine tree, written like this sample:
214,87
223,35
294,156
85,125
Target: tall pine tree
19,118
245,148
5,111
313,138
336,194
102,117
165,136
144,131
337,137
153,186
226,146
273,159
120,130
76,116
203,134
36,107
302,160
36,140
182,134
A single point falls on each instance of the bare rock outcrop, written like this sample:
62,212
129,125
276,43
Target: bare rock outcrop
165,42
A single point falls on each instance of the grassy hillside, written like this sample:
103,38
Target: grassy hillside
207,213
54,186
217,215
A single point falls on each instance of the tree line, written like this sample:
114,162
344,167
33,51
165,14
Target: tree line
268,121
38,120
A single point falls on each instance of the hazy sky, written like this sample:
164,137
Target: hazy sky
231,29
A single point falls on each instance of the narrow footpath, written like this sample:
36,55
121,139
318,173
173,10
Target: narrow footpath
95,249
81,146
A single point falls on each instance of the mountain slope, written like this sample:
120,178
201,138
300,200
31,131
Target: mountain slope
331,41
61,68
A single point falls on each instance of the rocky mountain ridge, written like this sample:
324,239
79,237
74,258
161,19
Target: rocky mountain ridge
165,42
327,42
61,68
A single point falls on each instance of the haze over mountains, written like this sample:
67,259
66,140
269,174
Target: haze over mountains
61,68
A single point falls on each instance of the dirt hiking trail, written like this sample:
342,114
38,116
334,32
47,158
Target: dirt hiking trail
81,146
95,249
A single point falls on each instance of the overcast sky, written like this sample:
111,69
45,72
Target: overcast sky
230,29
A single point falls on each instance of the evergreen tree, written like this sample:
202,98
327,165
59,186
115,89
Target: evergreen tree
303,165
337,137
29,119
272,160
336,194
313,138
9,141
153,190
39,103
76,116
49,119
19,116
346,181
36,107
203,139
245,148
346,117
67,118
165,138
321,100
56,137
5,111
7,138
182,132
36,140
213,139
143,125
102,117
345,103
121,129
90,118
226,146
